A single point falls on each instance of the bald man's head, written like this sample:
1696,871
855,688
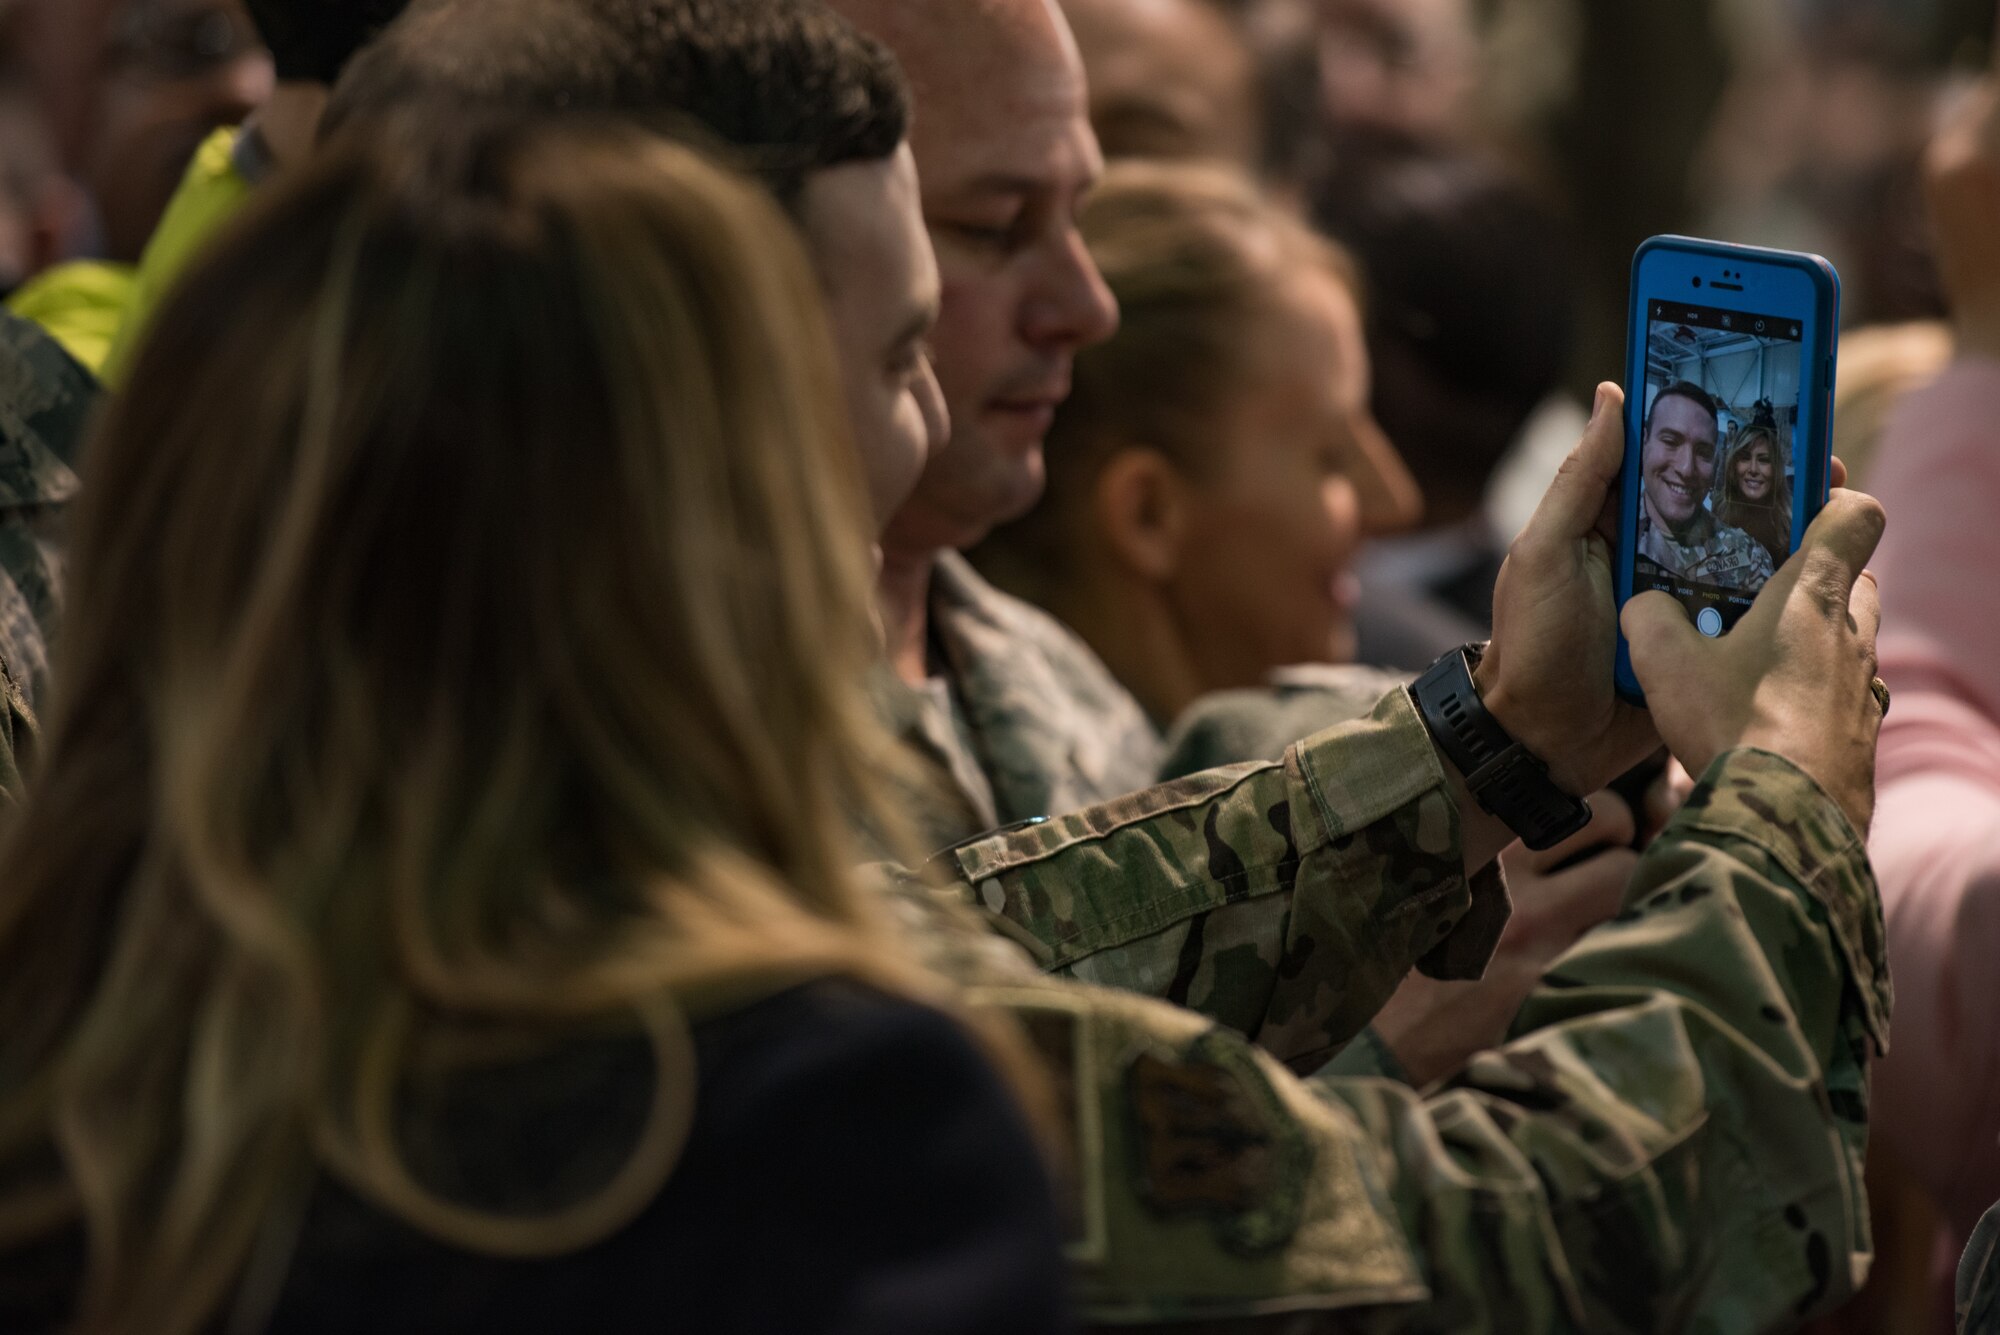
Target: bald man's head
1006,155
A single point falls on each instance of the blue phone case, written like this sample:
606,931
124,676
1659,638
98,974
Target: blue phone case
1754,282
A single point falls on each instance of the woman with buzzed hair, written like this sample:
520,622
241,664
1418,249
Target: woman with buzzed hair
433,911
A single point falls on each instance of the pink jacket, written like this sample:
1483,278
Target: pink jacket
1936,840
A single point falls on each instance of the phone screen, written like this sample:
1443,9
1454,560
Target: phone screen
1716,458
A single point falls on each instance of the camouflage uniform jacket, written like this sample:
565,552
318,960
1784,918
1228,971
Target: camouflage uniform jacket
1285,899
1671,1140
1978,1304
45,403
1041,723
1258,723
1022,719
1711,552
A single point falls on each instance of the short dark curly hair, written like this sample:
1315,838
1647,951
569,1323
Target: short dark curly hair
312,40
781,88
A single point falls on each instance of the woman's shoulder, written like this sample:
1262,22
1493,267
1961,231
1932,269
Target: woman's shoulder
843,1044
826,1006
914,1195
853,1133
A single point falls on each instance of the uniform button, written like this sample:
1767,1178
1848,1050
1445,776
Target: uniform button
1709,622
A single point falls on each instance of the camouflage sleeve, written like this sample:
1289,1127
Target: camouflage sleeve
1261,722
1285,900
1672,1140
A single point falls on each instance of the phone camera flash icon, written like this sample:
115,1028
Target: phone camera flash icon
1725,322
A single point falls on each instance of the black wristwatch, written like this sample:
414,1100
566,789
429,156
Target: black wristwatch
1505,777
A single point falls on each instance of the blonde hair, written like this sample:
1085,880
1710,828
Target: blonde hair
470,603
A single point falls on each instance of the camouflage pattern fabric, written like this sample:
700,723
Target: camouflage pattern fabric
45,404
1285,899
1259,723
1670,1141
1024,720
1220,891
1710,551
1978,1303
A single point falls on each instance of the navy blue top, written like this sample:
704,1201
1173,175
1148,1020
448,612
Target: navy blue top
854,1165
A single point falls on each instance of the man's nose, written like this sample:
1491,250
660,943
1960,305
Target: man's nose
1069,307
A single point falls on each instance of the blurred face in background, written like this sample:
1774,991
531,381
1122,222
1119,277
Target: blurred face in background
1406,68
865,229
1168,79
39,207
132,87
1006,156
1299,474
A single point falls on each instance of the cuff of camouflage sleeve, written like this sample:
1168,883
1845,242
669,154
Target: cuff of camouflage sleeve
1763,799
1353,786
1400,770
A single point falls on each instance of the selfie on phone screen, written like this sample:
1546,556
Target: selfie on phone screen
1716,477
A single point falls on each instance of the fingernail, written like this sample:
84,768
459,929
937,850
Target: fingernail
1597,405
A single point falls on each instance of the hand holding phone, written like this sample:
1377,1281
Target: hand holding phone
1729,423
1547,675
1793,678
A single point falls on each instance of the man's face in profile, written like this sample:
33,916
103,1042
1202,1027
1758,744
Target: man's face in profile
1006,154
1678,460
865,228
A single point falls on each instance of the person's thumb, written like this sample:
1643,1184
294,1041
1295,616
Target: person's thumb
1570,508
1664,643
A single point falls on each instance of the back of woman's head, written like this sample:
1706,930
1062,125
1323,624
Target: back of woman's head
467,609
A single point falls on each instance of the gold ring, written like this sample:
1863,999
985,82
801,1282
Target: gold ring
1881,692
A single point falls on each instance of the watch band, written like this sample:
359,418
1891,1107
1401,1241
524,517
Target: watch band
1506,778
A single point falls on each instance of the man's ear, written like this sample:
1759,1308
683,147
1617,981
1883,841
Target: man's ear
1140,505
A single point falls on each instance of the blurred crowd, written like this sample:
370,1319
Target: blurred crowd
892,666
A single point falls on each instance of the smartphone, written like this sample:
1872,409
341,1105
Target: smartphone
1728,423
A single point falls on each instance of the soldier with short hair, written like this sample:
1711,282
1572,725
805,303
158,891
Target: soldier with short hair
1677,531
